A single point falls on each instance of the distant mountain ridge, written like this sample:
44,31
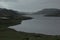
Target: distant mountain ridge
12,17
49,12
10,13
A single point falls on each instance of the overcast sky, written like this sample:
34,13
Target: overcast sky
29,5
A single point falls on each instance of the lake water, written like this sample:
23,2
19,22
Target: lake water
40,24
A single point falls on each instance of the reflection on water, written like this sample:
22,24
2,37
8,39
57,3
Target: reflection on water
40,24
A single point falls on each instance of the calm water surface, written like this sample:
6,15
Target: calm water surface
40,24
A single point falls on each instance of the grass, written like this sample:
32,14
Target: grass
11,34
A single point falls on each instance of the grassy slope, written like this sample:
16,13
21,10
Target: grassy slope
10,34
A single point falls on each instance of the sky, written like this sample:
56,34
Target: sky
29,5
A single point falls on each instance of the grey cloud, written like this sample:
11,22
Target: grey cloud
29,5
8,0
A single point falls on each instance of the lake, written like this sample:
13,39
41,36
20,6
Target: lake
40,24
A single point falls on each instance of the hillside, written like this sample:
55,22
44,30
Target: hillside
49,12
11,17
11,34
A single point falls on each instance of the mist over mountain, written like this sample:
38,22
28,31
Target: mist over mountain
10,13
49,12
8,16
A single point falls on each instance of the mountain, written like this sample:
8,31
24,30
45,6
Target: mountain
49,12
53,12
11,17
10,13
